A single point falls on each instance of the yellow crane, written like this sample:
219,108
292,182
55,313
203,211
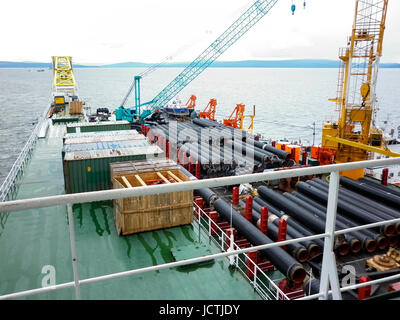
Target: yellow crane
354,136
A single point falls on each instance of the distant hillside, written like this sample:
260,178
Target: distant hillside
42,65
216,64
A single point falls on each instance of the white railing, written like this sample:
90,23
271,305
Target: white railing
9,182
267,288
329,277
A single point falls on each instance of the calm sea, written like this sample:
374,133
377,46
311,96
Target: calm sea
288,101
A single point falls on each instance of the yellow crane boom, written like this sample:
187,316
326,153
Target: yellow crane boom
354,136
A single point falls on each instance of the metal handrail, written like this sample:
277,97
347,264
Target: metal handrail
212,225
86,197
21,160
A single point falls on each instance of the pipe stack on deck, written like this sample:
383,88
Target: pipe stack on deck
282,260
359,203
221,150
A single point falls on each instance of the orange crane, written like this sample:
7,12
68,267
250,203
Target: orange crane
237,116
235,120
191,103
209,110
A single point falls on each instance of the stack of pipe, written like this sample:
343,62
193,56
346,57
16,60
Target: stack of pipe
308,205
220,150
301,251
281,259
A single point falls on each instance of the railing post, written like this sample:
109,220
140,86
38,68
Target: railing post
385,175
213,221
329,271
73,251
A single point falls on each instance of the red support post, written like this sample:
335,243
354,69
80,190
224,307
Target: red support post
200,203
214,218
304,158
197,170
252,255
235,196
274,144
178,156
282,227
364,292
264,220
293,154
168,149
249,208
190,168
385,176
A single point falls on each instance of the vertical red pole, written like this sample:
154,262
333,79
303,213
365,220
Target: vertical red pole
283,147
282,227
385,176
168,149
293,154
264,220
304,158
200,203
213,217
274,144
178,156
252,255
197,170
249,208
364,292
190,167
235,196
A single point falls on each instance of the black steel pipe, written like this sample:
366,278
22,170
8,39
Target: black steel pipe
363,188
304,216
381,210
348,209
356,239
313,248
381,241
297,250
380,186
284,262
292,222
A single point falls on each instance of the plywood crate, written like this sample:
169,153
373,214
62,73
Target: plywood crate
75,107
152,212
141,166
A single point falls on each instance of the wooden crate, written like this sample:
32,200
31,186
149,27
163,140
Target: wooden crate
140,166
152,212
75,107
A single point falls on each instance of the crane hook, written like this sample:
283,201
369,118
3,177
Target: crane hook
293,8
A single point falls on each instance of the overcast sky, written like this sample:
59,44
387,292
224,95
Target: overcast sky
110,31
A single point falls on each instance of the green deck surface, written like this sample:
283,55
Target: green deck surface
32,239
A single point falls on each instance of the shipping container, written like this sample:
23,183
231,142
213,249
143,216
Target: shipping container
90,170
98,126
104,138
105,145
99,134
